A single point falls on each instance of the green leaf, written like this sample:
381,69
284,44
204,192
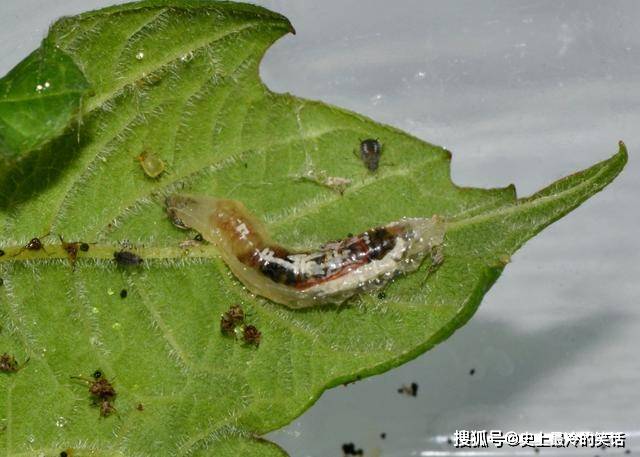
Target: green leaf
179,79
39,99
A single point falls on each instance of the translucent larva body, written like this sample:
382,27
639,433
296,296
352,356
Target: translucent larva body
330,274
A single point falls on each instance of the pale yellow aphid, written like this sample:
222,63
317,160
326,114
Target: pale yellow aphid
152,165
330,274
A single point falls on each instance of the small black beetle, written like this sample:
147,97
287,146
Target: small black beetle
126,258
370,151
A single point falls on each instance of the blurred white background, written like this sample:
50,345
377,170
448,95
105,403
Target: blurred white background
522,92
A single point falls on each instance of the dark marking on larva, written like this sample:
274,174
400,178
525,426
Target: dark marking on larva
279,266
84,247
127,258
140,407
370,152
123,293
275,271
199,238
330,274
1,252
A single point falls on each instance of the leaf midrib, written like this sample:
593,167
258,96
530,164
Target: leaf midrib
206,251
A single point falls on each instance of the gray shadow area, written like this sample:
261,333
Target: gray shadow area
509,367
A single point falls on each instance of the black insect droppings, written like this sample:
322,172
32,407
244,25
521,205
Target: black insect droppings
127,259
9,364
106,408
252,335
198,237
231,319
123,293
34,244
102,392
411,390
472,372
383,435
382,295
227,327
140,407
350,449
370,151
536,450
71,249
1,252
64,454
84,247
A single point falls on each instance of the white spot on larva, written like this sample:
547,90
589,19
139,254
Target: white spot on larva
242,230
39,88
140,55
47,85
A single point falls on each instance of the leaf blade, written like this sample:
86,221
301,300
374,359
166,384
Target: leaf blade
218,126
48,81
